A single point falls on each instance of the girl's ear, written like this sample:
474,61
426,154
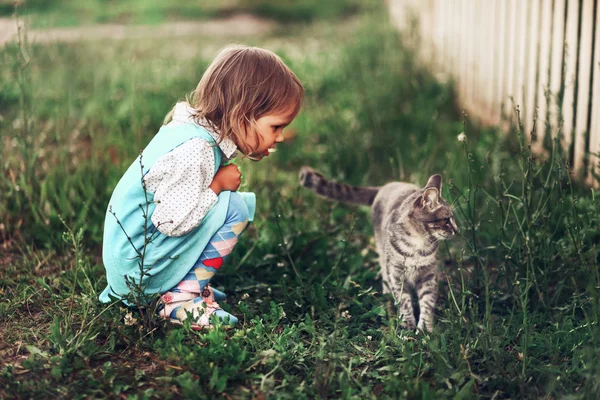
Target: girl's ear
247,122
244,131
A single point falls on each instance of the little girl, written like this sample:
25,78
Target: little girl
245,99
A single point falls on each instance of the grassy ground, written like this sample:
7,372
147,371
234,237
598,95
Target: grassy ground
43,13
519,306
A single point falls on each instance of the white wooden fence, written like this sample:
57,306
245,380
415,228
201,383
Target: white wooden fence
537,54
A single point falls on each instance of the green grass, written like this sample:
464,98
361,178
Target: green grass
45,14
519,308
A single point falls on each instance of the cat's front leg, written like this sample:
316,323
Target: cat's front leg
395,278
426,286
406,309
383,274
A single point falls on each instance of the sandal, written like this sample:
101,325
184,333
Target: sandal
202,308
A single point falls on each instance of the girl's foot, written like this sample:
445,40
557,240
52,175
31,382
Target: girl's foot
219,296
179,306
200,312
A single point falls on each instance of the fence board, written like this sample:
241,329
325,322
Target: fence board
583,84
522,14
556,66
511,53
439,24
484,57
454,35
455,42
463,46
543,75
445,12
570,65
426,25
488,67
470,55
501,51
595,126
532,54
506,32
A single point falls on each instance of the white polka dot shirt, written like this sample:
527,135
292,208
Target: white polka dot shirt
181,178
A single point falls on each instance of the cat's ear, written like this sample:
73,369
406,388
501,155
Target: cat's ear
430,198
431,195
435,181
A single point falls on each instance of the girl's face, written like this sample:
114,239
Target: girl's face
267,132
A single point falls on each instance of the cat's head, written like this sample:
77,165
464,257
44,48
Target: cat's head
433,212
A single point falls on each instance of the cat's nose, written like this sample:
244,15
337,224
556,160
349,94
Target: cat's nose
453,227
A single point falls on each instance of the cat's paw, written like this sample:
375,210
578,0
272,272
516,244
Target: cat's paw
424,327
422,335
407,326
406,336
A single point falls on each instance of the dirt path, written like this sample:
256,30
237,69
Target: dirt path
235,26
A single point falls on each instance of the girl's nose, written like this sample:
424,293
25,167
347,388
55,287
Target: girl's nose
279,138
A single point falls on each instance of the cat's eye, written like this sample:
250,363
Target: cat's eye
439,220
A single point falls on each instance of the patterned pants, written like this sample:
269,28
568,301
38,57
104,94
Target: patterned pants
219,247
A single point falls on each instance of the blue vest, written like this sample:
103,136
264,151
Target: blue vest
167,259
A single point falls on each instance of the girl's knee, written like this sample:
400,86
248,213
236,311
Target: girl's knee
238,210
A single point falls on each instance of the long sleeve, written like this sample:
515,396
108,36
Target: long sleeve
180,182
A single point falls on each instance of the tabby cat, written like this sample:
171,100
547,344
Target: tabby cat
409,222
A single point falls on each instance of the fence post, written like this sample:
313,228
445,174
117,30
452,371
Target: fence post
594,144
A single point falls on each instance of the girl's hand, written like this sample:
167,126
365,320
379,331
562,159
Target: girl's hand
227,177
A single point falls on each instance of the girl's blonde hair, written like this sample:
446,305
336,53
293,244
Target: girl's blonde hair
241,85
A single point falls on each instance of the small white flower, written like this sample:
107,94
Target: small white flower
245,296
129,320
462,137
346,314
369,337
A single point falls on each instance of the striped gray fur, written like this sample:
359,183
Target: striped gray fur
409,222
337,191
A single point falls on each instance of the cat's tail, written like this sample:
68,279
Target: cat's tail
336,191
